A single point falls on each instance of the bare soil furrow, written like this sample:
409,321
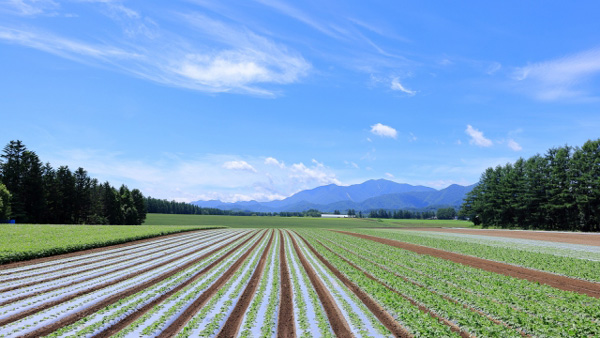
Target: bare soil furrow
189,313
560,282
100,286
285,324
337,321
382,315
561,237
114,298
137,314
79,255
44,280
470,308
232,325
421,307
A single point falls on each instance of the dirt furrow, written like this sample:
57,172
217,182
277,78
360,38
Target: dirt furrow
189,313
494,320
560,237
101,286
337,321
384,317
40,281
120,295
123,246
232,325
285,324
140,312
560,282
424,309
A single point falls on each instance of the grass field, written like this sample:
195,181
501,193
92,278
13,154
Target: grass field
27,241
295,222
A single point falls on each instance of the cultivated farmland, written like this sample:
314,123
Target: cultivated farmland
306,282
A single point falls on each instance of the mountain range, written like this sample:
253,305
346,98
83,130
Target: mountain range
369,195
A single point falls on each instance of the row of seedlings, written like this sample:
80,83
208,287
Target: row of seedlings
164,314
362,322
119,312
69,303
506,300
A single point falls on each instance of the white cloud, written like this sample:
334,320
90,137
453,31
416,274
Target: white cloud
315,174
388,175
227,57
383,130
203,177
275,162
477,137
29,7
512,144
238,165
411,137
562,78
396,85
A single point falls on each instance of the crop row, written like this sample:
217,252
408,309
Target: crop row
264,283
544,261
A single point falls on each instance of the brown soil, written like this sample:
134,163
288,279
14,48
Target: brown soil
189,313
75,254
96,287
384,317
334,315
111,299
560,282
40,281
232,325
285,325
137,314
561,237
496,321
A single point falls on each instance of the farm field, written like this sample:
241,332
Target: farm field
277,222
27,241
290,282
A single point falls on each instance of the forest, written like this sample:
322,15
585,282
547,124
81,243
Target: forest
559,190
33,192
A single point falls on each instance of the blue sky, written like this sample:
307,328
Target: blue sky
240,100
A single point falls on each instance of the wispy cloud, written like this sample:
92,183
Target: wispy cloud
477,137
239,165
396,85
383,130
29,7
562,78
230,58
388,175
512,144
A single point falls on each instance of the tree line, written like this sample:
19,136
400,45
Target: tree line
401,214
37,193
163,206
559,190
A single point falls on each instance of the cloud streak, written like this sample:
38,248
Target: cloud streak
231,58
396,85
477,137
562,78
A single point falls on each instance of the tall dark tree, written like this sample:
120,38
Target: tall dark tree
4,203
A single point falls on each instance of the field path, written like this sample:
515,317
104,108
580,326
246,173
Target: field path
337,321
561,237
285,325
564,283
